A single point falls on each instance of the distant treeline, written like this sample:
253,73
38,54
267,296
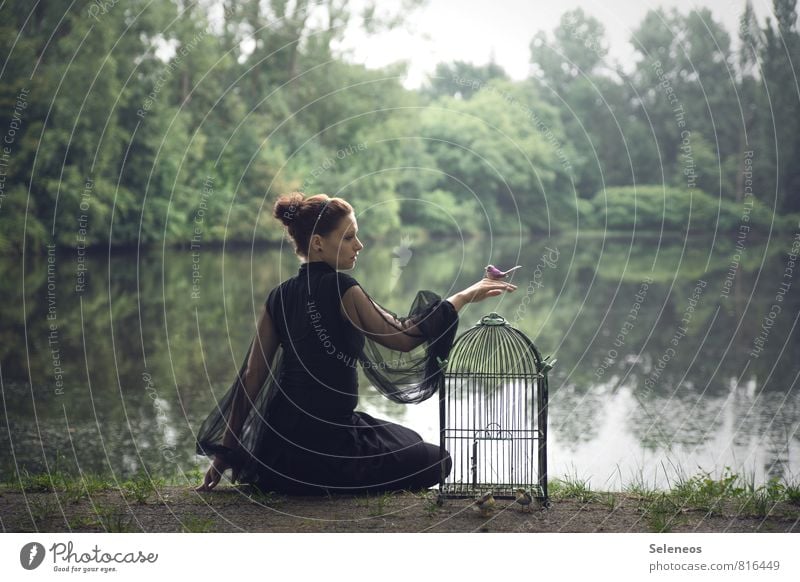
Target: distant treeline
143,122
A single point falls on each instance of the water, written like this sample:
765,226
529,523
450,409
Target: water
674,356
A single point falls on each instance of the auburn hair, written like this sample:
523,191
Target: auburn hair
305,216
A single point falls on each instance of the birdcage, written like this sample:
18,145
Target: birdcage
493,413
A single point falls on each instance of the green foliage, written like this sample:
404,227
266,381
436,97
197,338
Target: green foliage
578,47
779,53
117,146
20,225
793,493
376,503
461,79
572,487
66,487
705,492
653,207
761,500
505,147
661,512
140,487
730,492
713,495
112,519
443,214
43,508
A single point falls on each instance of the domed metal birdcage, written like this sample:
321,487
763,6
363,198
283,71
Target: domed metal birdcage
493,413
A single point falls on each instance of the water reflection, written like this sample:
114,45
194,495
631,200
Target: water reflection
119,375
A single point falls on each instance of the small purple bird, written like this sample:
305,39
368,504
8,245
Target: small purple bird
494,273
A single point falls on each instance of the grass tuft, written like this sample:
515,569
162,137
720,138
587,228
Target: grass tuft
140,487
572,487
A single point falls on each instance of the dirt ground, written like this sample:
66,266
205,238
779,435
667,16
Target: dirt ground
240,509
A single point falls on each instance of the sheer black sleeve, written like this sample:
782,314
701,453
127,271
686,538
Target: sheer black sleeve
236,425
403,356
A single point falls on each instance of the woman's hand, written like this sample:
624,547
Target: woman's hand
214,473
481,290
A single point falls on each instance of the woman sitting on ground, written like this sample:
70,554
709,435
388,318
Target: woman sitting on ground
288,423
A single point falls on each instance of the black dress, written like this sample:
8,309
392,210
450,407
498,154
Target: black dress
302,434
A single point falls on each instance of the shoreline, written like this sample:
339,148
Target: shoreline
610,234
142,505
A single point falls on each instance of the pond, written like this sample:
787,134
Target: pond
674,356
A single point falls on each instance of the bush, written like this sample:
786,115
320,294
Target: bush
649,207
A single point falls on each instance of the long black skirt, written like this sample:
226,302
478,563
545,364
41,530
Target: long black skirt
353,454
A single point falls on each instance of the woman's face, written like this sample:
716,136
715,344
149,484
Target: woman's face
340,247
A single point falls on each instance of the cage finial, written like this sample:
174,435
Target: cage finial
493,319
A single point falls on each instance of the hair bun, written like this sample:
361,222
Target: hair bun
287,208
303,216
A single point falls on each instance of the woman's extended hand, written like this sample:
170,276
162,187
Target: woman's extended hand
214,473
481,290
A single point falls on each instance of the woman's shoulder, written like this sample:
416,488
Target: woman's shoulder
333,282
341,281
276,293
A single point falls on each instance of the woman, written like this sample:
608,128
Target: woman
288,422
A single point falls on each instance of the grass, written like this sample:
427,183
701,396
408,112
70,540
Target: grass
109,518
376,504
42,509
662,513
112,519
571,487
663,509
71,488
730,493
269,498
640,488
609,499
762,500
713,495
140,487
191,478
793,494
67,488
429,500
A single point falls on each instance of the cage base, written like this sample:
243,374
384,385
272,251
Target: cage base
498,491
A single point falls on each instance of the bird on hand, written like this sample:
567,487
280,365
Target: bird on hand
493,272
484,504
524,499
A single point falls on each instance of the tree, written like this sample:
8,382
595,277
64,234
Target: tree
577,49
461,79
687,88
507,150
780,53
594,103
752,96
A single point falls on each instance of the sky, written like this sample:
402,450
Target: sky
473,30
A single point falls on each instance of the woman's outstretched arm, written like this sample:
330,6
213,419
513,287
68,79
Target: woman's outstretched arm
403,334
378,324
